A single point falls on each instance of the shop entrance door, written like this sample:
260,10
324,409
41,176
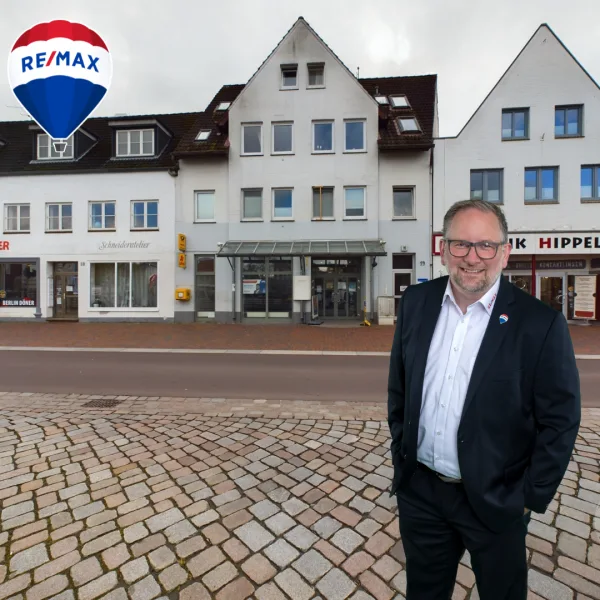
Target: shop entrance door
339,296
66,291
551,290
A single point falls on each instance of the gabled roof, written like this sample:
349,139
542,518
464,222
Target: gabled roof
212,120
420,91
18,152
551,31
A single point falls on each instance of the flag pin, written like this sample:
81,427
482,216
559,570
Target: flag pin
503,319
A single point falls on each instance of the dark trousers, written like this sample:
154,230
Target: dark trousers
437,524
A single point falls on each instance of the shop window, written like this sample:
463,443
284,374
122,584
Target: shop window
18,284
124,285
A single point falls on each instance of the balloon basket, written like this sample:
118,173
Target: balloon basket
59,145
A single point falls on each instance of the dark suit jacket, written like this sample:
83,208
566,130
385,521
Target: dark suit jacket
522,409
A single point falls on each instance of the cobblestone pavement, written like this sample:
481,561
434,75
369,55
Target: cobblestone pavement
206,498
226,337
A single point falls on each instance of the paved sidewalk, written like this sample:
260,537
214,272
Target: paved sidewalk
226,337
206,498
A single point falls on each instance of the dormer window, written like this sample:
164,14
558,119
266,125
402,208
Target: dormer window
399,101
135,142
46,151
409,125
223,105
203,135
289,76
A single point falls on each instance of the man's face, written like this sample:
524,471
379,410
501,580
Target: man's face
470,273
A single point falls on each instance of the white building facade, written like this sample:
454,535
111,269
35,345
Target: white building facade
306,194
533,147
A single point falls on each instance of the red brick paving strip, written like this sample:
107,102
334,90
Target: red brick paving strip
225,337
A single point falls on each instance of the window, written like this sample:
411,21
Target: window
404,203
541,184
289,76
46,151
316,75
409,124
18,282
323,136
282,204
282,138
515,124
590,182
252,205
223,105
382,99
59,217
102,215
322,203
354,207
16,218
252,139
399,101
487,185
203,135
205,206
144,214
124,285
138,142
355,136
568,121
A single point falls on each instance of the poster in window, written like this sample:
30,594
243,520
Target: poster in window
585,297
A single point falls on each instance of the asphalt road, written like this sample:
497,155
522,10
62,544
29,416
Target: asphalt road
285,377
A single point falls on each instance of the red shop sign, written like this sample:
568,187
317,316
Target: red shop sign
4,245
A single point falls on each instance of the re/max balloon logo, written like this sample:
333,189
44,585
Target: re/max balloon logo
61,57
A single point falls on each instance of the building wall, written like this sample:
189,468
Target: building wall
84,246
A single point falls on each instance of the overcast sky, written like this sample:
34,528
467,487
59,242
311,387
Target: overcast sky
175,59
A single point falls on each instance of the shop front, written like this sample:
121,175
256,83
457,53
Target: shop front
19,288
337,285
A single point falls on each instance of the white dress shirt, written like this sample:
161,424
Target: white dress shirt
454,347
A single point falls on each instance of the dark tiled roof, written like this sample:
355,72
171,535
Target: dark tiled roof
420,91
18,151
213,120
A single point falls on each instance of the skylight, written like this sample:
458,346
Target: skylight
223,105
409,124
203,134
399,101
381,99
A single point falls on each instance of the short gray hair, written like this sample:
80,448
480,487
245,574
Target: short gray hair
483,206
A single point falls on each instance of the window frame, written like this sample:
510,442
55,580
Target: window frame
203,135
409,118
595,168
104,203
278,124
281,189
404,188
146,227
214,206
565,108
262,209
251,124
485,189
61,216
128,132
512,111
363,217
394,105
283,69
323,122
364,132
70,144
322,218
538,171
20,206
223,106
129,308
309,68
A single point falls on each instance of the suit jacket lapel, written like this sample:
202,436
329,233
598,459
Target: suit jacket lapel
492,339
429,317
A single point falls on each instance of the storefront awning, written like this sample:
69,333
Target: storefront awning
304,248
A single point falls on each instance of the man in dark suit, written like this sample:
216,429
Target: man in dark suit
484,409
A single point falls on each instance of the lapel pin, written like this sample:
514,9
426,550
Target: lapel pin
503,319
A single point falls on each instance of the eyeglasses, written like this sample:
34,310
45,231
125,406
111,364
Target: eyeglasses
485,250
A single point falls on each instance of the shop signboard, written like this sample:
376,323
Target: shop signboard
585,297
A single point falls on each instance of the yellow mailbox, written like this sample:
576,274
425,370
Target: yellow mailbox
182,261
181,241
183,294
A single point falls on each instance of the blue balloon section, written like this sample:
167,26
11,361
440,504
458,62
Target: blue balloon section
60,104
